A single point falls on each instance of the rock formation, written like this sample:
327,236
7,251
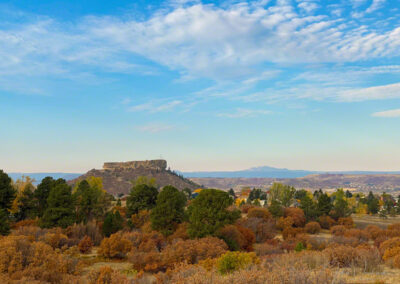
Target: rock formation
118,176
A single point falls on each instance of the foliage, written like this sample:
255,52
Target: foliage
169,210
4,222
42,192
373,203
258,212
60,210
263,230
324,204
237,237
276,208
347,222
297,214
113,222
326,222
85,245
312,228
309,208
209,212
79,231
141,197
139,219
7,192
282,193
232,261
116,246
24,206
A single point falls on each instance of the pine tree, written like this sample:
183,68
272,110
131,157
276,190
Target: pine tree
60,210
141,197
324,204
42,193
7,192
4,222
113,222
169,210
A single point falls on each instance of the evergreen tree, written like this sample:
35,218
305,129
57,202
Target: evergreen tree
188,192
275,208
208,212
113,222
300,194
348,194
324,204
7,191
87,201
309,208
24,205
4,222
42,193
231,192
60,210
372,203
169,210
340,207
141,197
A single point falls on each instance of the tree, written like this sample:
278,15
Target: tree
24,205
309,208
60,210
141,197
299,194
231,192
209,212
324,204
7,192
188,192
89,201
4,222
275,208
372,203
42,193
149,181
169,210
340,207
282,193
113,222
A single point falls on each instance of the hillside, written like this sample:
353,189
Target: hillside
376,183
118,177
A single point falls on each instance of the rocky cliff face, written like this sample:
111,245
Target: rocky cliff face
118,177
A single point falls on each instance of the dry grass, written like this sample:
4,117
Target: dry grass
362,220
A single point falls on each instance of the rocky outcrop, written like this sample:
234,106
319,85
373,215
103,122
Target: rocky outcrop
148,164
118,177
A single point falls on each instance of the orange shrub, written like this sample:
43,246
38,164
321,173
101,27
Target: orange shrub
297,214
394,227
106,275
341,256
141,218
356,233
90,229
24,223
389,244
263,230
116,246
258,212
396,261
326,222
373,231
312,228
291,232
267,249
55,240
180,232
284,222
347,222
338,230
248,236
245,208
85,245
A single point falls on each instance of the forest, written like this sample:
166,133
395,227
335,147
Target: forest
58,233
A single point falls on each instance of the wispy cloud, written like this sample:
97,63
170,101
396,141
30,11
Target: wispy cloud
156,106
155,127
242,112
387,113
390,91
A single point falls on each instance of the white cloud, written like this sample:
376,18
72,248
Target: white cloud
156,106
387,113
155,127
376,4
391,91
241,112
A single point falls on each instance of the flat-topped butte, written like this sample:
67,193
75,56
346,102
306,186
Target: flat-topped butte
148,164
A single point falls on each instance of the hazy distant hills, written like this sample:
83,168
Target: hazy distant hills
39,176
270,172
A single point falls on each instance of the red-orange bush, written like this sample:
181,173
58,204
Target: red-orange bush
338,230
106,275
141,218
326,222
284,222
291,232
297,214
347,222
312,228
85,245
116,246
245,208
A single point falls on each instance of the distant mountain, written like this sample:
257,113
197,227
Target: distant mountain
270,172
39,176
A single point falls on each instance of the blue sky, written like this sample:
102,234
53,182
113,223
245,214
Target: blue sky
207,85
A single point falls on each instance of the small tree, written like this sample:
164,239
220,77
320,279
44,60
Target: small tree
209,212
4,222
324,204
169,210
372,203
113,222
60,210
141,197
7,192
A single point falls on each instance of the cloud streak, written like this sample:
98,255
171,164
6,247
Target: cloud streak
387,113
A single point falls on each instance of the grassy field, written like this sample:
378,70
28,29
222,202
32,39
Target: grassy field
363,221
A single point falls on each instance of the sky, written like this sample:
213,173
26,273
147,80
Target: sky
206,85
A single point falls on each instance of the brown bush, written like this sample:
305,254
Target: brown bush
263,230
297,214
85,245
248,236
55,240
312,228
361,235
258,212
22,259
326,222
389,244
245,208
284,222
232,236
396,261
394,227
338,230
374,231
106,275
180,232
141,218
33,233
347,222
267,249
24,223
341,256
116,246
291,232
90,229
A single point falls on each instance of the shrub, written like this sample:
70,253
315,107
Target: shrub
116,246
284,222
180,232
394,227
356,233
258,212
373,231
389,244
346,221
106,275
90,229
263,230
237,237
297,214
267,249
341,256
246,207
232,261
326,222
299,247
140,218
291,232
85,245
338,230
55,240
312,228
